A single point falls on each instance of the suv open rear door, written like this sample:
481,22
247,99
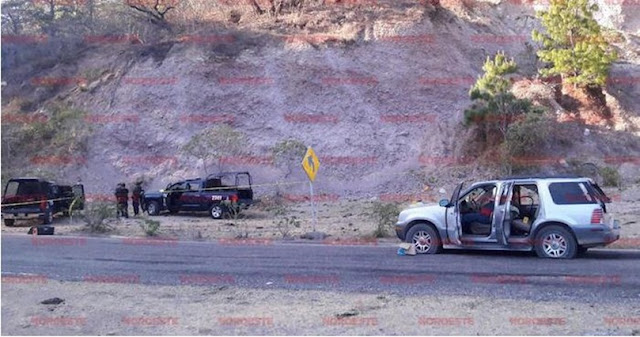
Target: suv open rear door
78,196
502,212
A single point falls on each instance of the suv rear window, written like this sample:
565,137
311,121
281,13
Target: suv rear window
571,193
16,188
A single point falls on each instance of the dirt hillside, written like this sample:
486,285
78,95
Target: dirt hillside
377,89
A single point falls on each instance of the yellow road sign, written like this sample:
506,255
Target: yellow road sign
310,164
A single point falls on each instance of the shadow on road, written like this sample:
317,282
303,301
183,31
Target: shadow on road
597,254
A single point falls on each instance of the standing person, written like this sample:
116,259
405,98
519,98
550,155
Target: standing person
122,196
136,196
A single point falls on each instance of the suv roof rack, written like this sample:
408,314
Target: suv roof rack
557,176
221,174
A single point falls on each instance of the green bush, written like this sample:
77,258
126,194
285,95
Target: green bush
66,131
610,176
95,215
385,215
288,154
526,138
150,227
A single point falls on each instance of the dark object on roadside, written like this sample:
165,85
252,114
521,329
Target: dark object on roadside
122,198
218,194
54,301
31,198
136,196
41,230
314,236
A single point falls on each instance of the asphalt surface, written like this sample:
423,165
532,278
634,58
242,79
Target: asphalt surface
602,275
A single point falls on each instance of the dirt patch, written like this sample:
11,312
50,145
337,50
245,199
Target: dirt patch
131,309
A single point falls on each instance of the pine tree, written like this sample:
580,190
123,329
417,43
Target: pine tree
573,44
494,106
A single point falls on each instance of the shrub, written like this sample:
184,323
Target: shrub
610,176
385,215
215,143
65,130
527,137
232,212
288,153
284,221
150,227
95,215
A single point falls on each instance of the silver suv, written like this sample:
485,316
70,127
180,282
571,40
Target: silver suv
558,217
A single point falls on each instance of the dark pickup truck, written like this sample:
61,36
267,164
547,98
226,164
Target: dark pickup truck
35,198
214,194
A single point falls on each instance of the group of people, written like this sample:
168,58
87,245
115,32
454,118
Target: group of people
122,198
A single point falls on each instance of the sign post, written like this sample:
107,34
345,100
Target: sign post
311,164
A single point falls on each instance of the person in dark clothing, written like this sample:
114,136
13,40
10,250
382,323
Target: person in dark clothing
136,196
482,216
122,196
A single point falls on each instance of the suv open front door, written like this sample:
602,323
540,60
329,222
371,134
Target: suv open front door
454,226
78,196
502,213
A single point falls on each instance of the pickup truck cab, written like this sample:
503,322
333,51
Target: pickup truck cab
35,198
214,194
558,217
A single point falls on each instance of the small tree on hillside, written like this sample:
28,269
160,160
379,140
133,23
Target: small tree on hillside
494,106
573,43
287,154
154,10
215,144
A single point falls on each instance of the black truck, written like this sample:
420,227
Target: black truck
35,198
215,194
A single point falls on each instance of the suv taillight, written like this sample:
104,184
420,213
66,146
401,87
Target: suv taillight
234,198
596,216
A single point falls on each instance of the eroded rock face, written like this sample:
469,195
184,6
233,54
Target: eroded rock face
379,96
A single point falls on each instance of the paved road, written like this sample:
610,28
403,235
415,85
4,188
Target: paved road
611,276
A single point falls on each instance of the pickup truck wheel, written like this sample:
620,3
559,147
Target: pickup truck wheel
9,222
425,239
48,217
153,208
555,242
216,211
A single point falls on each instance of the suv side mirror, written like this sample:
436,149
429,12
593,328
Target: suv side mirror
444,203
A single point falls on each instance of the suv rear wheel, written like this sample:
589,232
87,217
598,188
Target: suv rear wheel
425,239
555,242
216,211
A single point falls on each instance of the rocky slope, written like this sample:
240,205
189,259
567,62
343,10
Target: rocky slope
378,92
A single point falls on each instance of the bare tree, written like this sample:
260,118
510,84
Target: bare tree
215,144
288,154
154,10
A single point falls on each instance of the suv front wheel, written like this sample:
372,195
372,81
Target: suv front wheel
555,242
153,208
425,239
